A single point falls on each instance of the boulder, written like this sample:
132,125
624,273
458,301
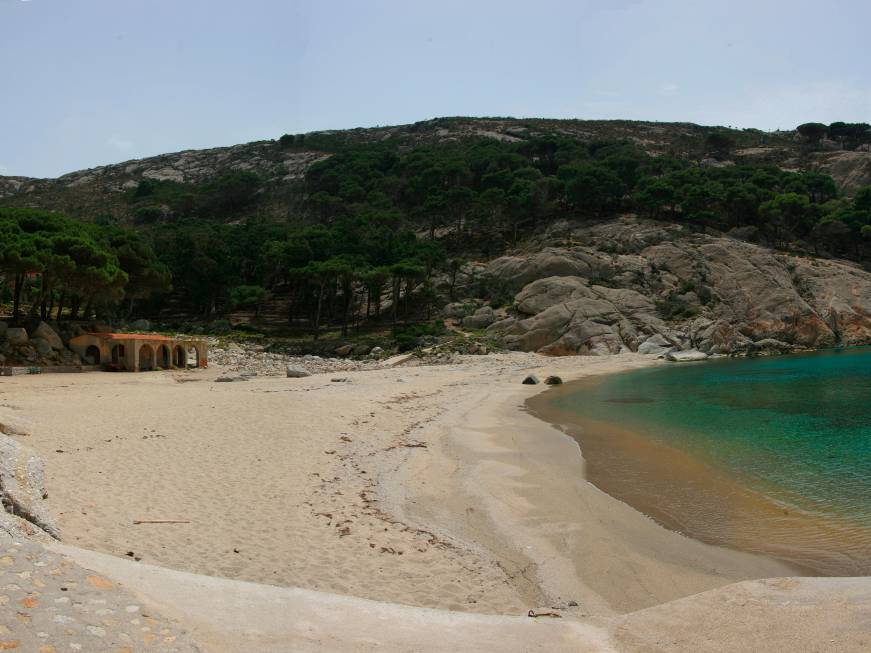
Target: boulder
480,319
531,380
22,479
43,347
45,332
11,424
686,356
657,344
458,310
294,372
376,351
16,336
553,380
344,350
568,316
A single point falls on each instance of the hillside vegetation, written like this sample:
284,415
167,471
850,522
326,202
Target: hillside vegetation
369,227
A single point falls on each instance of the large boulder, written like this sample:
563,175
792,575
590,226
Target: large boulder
45,332
568,316
16,336
657,344
294,372
480,319
43,347
686,356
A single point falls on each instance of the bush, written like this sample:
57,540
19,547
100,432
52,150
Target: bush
675,308
411,337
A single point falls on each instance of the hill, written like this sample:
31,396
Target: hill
280,165
354,231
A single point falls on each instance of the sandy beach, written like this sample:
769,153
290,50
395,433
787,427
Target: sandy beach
426,486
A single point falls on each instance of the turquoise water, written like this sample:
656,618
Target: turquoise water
794,430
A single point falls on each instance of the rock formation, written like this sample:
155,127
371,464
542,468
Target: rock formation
644,286
22,482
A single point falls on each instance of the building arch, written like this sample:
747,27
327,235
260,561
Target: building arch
118,355
163,357
179,356
193,356
146,358
92,355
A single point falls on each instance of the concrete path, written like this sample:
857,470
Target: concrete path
49,604
56,598
226,616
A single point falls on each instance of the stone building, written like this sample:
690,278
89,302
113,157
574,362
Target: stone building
139,352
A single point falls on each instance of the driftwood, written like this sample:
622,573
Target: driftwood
161,521
533,613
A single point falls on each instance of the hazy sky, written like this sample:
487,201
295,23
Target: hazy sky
90,82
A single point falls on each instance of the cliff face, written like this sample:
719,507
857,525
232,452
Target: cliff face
631,284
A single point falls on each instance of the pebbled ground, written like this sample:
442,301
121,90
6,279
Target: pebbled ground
48,604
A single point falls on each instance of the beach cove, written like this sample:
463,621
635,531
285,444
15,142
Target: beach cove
428,487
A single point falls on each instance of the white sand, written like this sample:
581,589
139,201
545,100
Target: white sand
424,486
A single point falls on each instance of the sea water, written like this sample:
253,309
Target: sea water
771,455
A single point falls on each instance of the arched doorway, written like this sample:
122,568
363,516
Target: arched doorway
193,357
118,354
163,357
178,356
92,355
146,358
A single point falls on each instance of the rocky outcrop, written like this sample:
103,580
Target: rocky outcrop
22,485
850,170
642,286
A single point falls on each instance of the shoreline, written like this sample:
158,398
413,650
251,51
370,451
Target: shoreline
551,528
430,486
691,496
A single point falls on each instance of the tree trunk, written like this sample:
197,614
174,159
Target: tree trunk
397,281
318,309
346,301
74,307
16,296
60,304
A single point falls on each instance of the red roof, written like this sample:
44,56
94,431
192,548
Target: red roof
130,336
